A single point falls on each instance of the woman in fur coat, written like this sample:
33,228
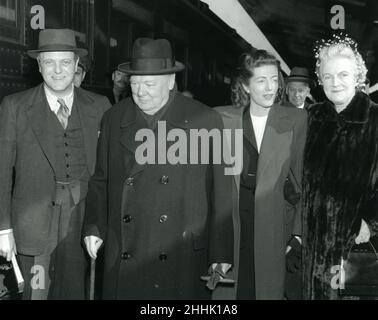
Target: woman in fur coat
340,167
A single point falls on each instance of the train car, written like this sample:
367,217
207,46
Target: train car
205,44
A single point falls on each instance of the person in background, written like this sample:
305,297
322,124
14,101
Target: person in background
298,86
121,86
82,69
48,139
340,190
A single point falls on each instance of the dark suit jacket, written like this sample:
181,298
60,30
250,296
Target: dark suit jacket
195,200
281,150
26,147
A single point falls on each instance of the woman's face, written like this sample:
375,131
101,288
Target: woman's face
338,75
263,86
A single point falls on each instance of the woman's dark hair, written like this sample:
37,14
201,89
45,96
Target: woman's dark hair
244,72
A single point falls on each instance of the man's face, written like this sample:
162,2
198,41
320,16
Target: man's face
58,69
79,76
119,79
150,93
297,92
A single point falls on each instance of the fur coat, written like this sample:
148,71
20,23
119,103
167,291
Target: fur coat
339,186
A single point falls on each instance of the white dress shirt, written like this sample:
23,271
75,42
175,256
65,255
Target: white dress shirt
53,100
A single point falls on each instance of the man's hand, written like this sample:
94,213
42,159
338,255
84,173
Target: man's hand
364,234
294,255
93,243
7,245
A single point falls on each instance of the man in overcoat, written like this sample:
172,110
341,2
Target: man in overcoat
163,223
48,138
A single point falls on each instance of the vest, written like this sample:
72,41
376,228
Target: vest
69,148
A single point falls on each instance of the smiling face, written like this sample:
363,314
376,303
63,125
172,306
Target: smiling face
338,75
150,93
297,92
263,86
58,70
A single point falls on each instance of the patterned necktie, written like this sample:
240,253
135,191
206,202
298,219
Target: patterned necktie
63,113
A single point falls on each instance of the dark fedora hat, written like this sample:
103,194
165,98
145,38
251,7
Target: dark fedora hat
151,57
301,75
57,40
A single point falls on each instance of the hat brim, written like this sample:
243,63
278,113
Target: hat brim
126,68
300,79
79,51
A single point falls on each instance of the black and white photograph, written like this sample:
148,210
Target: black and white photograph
216,151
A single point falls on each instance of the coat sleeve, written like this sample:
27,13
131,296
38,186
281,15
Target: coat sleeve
95,219
221,224
296,167
7,160
369,211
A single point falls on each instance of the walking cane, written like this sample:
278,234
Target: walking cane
92,279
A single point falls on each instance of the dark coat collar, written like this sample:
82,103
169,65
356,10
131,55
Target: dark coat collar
356,112
176,115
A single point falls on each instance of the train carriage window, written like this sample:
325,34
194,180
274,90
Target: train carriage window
11,21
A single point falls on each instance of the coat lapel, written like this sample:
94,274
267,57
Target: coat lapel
131,122
248,131
38,115
233,120
90,126
275,147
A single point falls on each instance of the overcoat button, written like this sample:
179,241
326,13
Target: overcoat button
53,203
126,255
164,179
127,218
130,181
163,256
163,218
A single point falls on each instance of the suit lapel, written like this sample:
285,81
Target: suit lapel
89,124
38,115
275,146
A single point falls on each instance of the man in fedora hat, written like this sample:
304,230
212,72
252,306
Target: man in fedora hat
162,224
298,85
121,87
83,67
48,136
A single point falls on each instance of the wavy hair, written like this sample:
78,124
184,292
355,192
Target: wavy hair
244,72
345,51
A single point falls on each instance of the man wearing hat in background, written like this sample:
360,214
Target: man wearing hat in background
298,85
48,135
121,87
82,69
162,225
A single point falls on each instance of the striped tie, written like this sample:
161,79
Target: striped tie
63,113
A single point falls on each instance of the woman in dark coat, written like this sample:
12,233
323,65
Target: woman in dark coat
340,168
273,144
